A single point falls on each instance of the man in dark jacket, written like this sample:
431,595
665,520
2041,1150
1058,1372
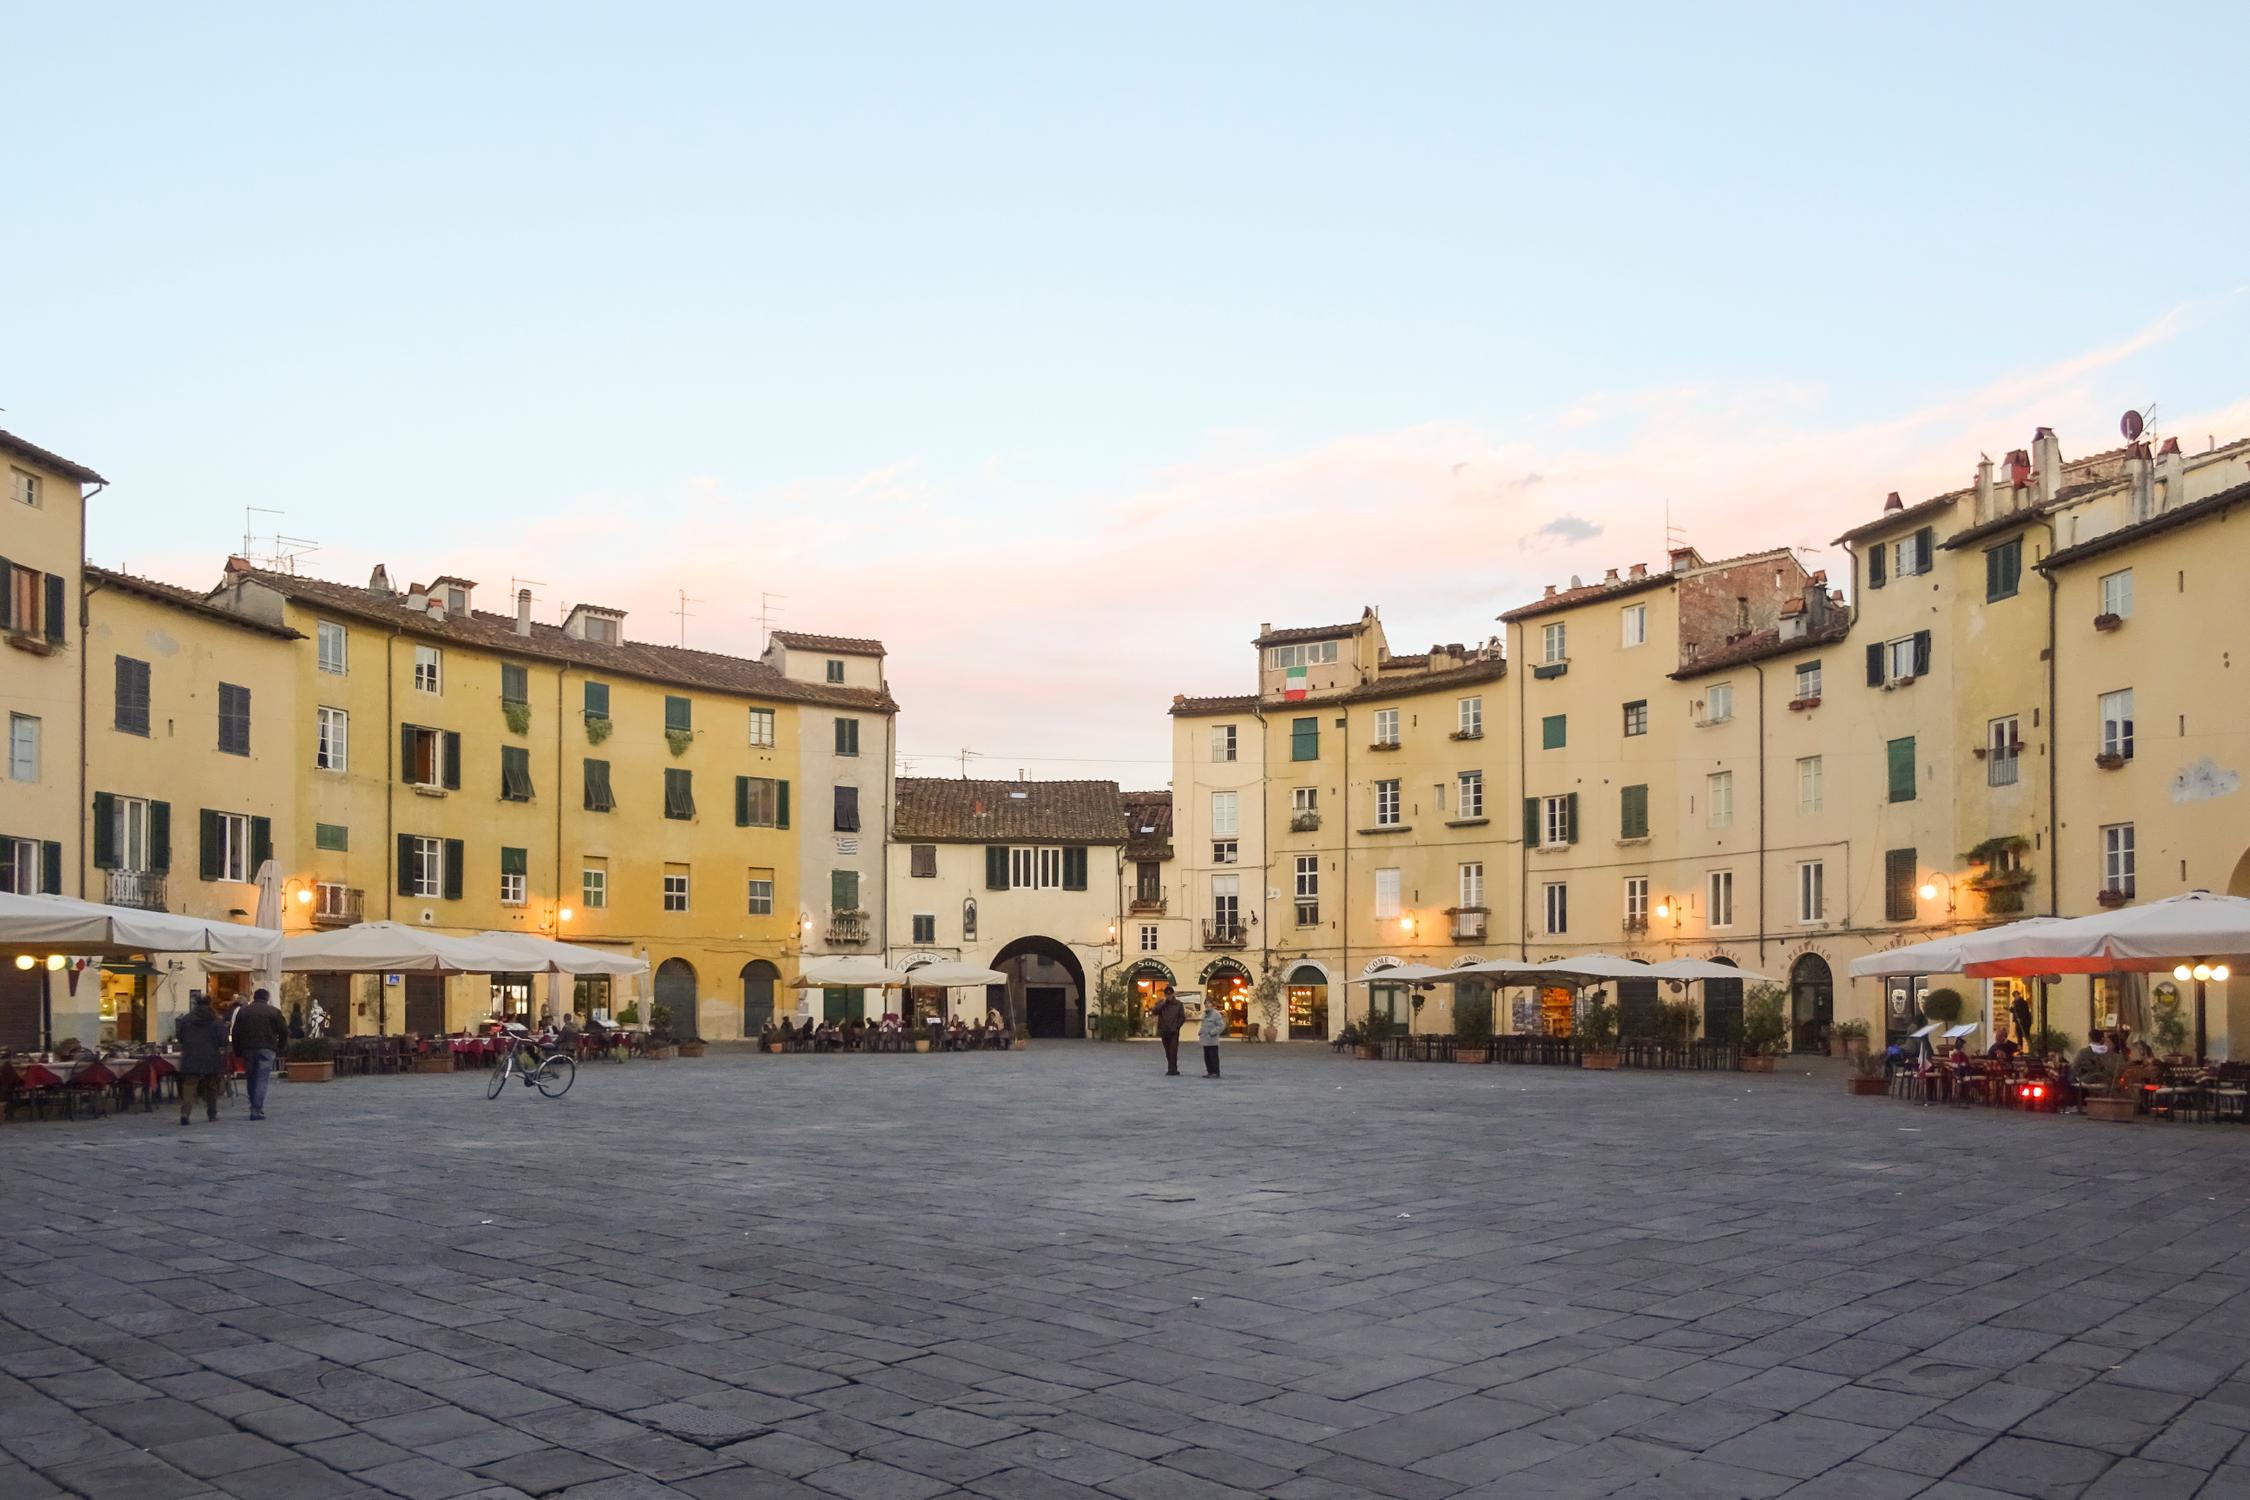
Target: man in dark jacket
202,1038
1170,1016
260,1030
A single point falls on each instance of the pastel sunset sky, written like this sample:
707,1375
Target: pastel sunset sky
1060,346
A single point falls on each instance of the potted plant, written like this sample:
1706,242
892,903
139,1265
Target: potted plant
1765,1028
311,1059
1023,1035
660,1044
678,739
1375,1028
2109,760
1265,998
436,1056
1848,1039
1113,1009
1472,1024
2110,895
2107,621
1597,1034
1867,1075
691,1046
922,1039
2171,1030
598,727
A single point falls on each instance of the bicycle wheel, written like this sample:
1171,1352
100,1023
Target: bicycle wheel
500,1072
555,1076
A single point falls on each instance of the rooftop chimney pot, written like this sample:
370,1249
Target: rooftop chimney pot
1892,502
523,611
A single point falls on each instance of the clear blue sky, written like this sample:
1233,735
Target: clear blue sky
1063,347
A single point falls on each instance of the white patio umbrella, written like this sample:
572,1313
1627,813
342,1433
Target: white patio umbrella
1403,974
38,925
1704,968
1590,968
946,975
539,955
847,972
390,948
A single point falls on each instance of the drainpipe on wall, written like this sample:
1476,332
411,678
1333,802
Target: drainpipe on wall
1853,618
1265,849
390,781
1764,919
2054,732
1344,828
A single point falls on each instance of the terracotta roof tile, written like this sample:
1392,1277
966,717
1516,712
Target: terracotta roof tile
675,665
187,599
951,810
38,455
1760,645
1305,633
797,640
1588,593
1919,511
2110,541
1148,824
1238,703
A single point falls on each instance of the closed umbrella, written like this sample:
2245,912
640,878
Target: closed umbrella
269,915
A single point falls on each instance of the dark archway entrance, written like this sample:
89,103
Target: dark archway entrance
758,980
1722,1006
1307,998
1046,988
675,991
1812,1003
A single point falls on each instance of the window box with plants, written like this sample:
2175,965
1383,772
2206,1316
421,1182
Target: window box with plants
1597,1034
2108,621
311,1059
517,714
1472,1025
1848,1039
679,739
598,727
1765,1028
2110,896
2001,877
2110,760
1800,705
1304,822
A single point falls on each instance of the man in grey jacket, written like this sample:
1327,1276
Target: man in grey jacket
1209,1033
260,1032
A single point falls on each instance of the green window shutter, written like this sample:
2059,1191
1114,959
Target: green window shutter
332,836
1900,754
1925,554
599,797
1899,869
261,843
1875,664
597,699
1074,869
1570,819
1554,731
678,713
1921,653
781,804
1632,814
514,861
452,749
1304,739
455,856
55,606
209,850
406,752
406,864
742,802
105,831
515,683
160,836
995,867
50,867
1877,564
1531,821
843,889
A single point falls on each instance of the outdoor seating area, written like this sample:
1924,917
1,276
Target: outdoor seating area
889,1034
93,1085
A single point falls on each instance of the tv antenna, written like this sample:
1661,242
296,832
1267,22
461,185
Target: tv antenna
1673,536
683,612
966,752
282,555
2138,423
769,605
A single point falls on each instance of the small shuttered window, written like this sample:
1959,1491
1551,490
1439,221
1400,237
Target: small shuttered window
679,793
995,867
1899,869
599,798
515,773
1074,868
1899,761
1632,812
1304,739
234,719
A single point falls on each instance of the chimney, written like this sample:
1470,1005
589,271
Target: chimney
1550,592
1638,570
1892,502
523,611
2171,474
1685,557
2046,462
2143,484
1610,576
1984,510
379,582
1266,628
2019,468
1179,700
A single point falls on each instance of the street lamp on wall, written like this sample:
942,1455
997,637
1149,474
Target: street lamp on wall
1929,891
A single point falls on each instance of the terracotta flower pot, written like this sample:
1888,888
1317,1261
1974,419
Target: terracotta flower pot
921,1044
691,1049
1600,1062
773,1046
1757,1065
2119,1111
311,1072
434,1062
1469,1052
1866,1087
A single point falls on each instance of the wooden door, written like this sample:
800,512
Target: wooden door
425,1005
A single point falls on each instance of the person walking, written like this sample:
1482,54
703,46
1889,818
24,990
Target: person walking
202,1038
260,1030
1170,1016
1213,1028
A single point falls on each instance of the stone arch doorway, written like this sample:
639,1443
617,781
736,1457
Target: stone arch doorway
2238,884
1046,988
1144,987
1722,1005
675,991
1812,1003
1306,995
1226,984
758,981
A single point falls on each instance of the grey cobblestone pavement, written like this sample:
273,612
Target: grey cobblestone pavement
1060,1276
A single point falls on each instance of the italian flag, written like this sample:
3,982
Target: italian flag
1294,688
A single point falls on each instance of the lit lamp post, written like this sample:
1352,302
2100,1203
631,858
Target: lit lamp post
1929,891
2202,973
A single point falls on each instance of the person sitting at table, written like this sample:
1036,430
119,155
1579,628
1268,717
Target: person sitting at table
2005,1049
854,1029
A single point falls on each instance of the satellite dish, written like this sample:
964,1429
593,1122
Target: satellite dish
1574,583
2132,426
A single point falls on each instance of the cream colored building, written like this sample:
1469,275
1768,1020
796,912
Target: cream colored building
845,752
1023,877
43,664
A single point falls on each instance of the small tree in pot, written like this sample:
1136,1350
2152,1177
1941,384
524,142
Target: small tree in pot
1597,1033
1472,1023
1265,999
311,1059
1375,1028
1848,1039
1765,1028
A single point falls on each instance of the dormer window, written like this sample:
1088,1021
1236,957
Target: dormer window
835,670
456,600
601,630
590,622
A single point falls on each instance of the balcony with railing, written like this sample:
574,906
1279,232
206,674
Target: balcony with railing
143,890
1148,900
338,906
846,927
1217,934
1304,821
1469,924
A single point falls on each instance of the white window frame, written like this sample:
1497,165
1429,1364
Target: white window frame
1808,679
1718,799
129,830
1035,867
593,887
429,670
1718,703
1471,713
2003,751
1554,820
2117,593
1633,626
1386,726
676,892
1898,659
1469,794
1555,899
1304,799
1387,899
1811,791
428,874
1226,815
23,487
2116,710
2120,859
1636,902
1225,743
513,888
761,729
1226,851
1226,901
24,864
1812,893
332,736
1470,875
1554,642
24,731
1149,937
758,895
1388,803
1718,899
1308,882
337,662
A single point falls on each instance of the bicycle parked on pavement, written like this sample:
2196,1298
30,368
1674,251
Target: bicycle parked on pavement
551,1072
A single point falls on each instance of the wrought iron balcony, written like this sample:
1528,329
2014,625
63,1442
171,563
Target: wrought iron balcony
142,890
1148,901
848,927
1225,935
1469,924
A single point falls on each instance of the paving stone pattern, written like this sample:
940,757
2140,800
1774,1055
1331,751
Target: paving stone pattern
1059,1276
